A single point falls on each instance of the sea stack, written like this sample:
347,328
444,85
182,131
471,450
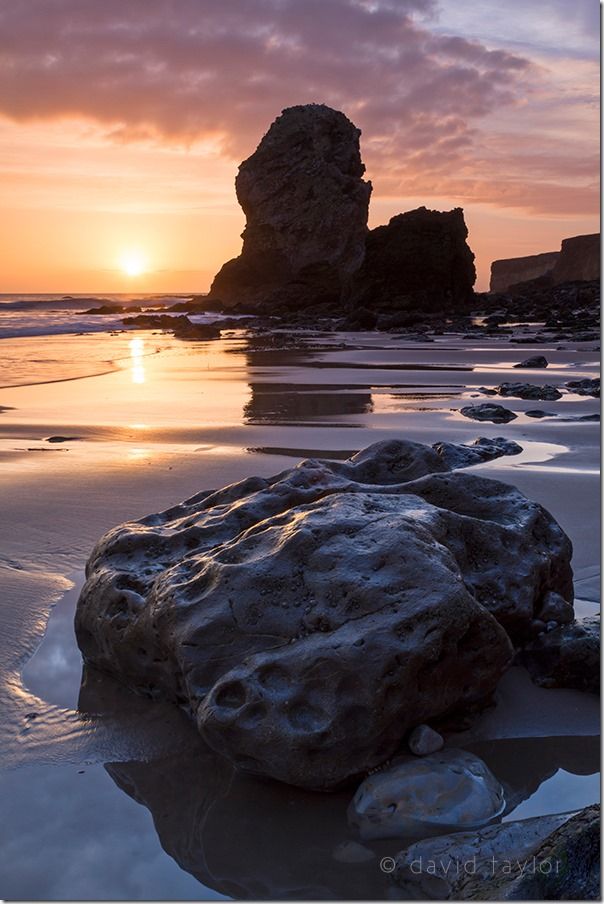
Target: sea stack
306,205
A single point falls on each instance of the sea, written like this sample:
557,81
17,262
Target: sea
44,315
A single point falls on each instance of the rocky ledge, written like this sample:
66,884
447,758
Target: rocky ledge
309,621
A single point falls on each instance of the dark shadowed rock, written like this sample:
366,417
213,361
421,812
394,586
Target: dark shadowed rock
182,327
460,455
545,393
585,387
308,621
537,361
573,850
419,261
113,309
567,656
423,741
538,413
488,411
469,865
306,205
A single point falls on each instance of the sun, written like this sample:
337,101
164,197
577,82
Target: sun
133,262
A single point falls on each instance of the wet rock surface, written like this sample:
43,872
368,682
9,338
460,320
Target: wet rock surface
545,393
442,867
585,387
419,261
574,852
281,614
449,789
567,655
464,455
306,207
423,740
536,361
488,411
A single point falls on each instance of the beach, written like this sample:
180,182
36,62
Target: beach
102,427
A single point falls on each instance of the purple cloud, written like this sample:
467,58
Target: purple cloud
179,70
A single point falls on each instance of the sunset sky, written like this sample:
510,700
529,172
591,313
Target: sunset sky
122,123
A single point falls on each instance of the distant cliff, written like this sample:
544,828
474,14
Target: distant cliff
506,273
577,260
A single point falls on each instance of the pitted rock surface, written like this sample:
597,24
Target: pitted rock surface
308,621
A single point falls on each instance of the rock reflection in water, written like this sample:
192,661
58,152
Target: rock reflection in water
254,839
276,403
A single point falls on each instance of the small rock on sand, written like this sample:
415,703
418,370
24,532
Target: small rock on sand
489,411
537,361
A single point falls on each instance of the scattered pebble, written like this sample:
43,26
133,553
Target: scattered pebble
423,740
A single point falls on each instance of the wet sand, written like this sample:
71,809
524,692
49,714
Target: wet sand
144,421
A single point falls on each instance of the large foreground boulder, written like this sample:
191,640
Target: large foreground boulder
419,261
306,206
308,621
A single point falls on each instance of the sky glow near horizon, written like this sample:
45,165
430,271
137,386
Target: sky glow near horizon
122,124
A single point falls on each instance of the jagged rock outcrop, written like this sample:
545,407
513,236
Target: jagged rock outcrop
306,206
510,271
308,621
419,261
